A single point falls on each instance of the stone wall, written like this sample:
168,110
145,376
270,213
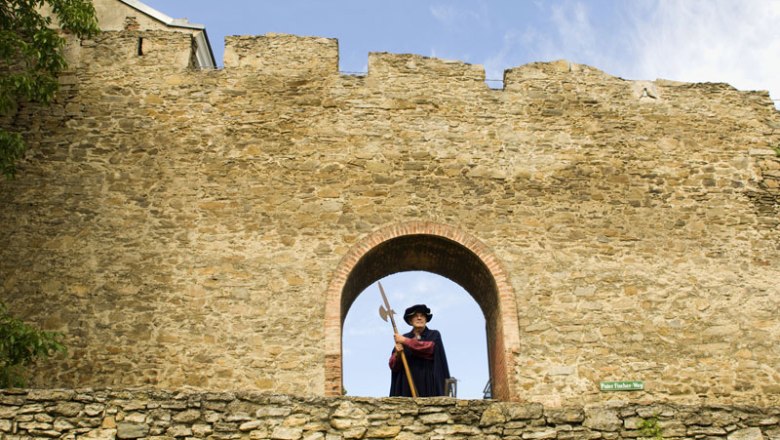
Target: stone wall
187,225
138,414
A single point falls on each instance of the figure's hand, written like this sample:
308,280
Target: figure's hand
399,347
399,339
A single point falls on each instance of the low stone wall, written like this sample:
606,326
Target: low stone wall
154,414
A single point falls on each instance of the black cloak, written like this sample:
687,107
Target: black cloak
428,374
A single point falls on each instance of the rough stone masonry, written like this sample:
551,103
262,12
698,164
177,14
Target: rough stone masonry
200,229
160,415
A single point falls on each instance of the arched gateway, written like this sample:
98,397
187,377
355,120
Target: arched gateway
436,248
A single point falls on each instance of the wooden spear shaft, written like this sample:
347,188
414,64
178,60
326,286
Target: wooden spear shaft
395,331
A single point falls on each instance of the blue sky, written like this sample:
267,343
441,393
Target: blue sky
732,41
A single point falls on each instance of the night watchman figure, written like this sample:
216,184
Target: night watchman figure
425,354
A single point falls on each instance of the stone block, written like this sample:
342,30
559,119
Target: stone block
493,414
527,411
131,430
746,434
564,415
602,420
383,431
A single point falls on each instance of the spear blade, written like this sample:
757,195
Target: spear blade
388,311
384,313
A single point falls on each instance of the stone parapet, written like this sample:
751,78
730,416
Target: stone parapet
157,414
133,50
404,66
550,87
283,55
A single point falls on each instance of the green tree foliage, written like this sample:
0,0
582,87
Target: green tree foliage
20,345
31,57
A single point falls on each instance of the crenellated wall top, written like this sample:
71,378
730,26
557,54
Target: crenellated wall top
317,59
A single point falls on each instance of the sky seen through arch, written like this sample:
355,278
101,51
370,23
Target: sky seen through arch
367,340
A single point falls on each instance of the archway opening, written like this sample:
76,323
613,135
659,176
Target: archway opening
440,250
367,340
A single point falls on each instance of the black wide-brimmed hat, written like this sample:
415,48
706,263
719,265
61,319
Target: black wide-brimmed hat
421,308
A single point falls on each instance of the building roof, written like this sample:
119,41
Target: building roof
204,54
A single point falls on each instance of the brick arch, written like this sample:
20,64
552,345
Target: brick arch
435,248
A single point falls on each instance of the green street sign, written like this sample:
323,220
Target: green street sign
631,385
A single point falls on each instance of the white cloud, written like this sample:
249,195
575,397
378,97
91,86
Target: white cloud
573,24
454,17
737,42
444,14
578,38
